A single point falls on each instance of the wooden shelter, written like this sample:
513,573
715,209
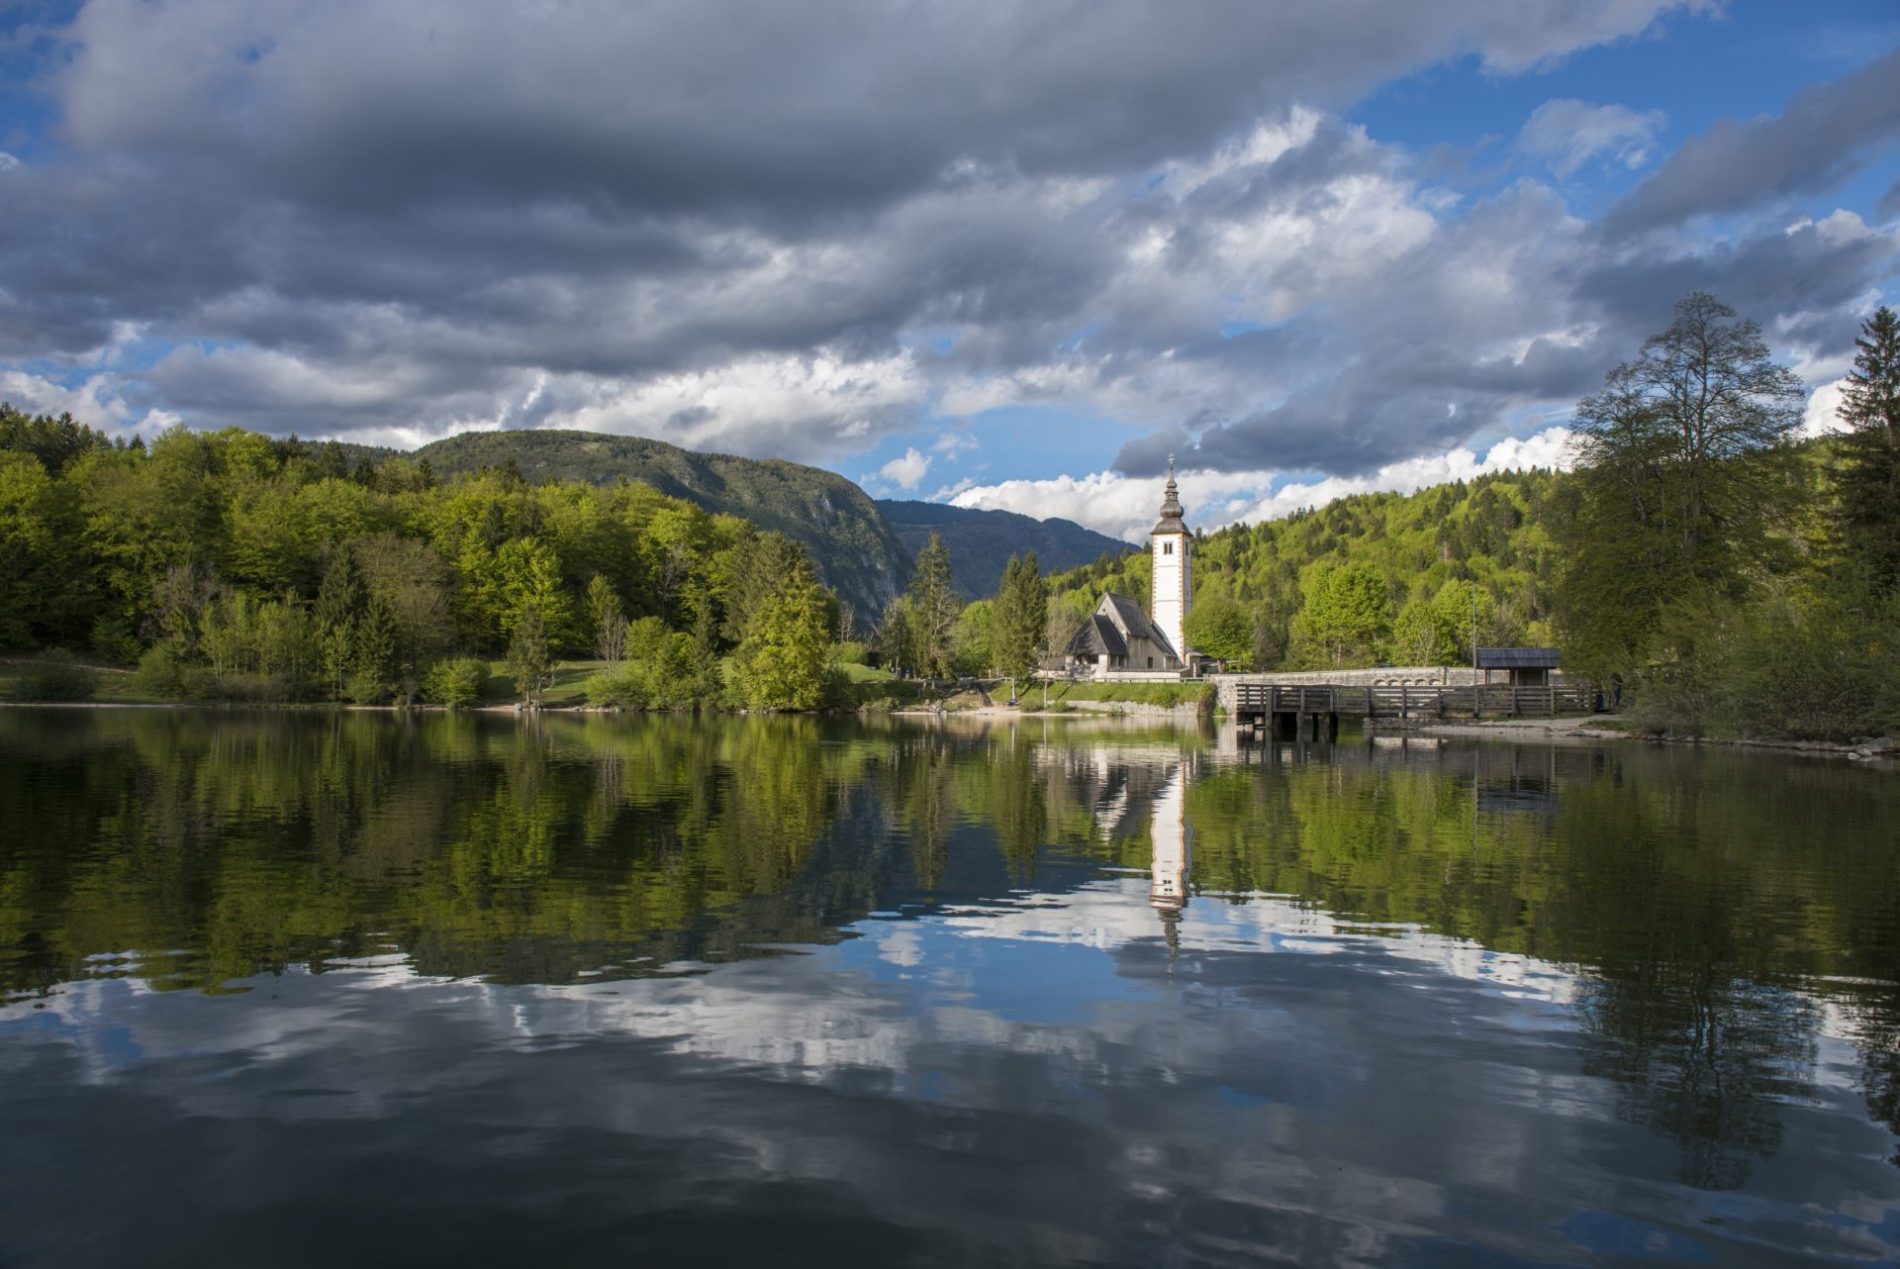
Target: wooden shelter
1523,667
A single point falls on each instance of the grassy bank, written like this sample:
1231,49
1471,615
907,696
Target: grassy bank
1171,695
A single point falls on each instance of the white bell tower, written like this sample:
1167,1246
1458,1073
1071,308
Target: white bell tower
1173,591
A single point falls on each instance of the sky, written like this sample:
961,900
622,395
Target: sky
1013,255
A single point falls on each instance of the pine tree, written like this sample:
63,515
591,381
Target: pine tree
373,655
934,610
1869,507
339,601
1017,620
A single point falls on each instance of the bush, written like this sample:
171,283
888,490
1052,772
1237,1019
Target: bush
852,653
455,682
1792,666
367,685
161,673
56,676
622,686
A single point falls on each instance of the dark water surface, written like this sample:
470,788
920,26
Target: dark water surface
335,989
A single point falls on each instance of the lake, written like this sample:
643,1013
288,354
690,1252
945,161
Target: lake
321,988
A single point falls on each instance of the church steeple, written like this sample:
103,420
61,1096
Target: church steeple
1172,579
1171,506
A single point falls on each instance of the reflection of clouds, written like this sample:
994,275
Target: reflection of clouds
1036,1069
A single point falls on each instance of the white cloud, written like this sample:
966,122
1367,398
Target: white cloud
951,443
1822,414
907,469
96,401
1567,133
1125,507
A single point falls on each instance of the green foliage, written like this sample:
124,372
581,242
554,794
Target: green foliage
55,676
972,639
826,516
934,608
1063,695
162,673
783,663
1445,630
1682,476
1220,628
456,681
1493,532
622,685
196,542
372,664
529,663
1794,666
1868,514
1020,618
896,641
1345,619
850,653
606,619
57,443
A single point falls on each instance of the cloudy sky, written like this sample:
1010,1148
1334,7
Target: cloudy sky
1014,254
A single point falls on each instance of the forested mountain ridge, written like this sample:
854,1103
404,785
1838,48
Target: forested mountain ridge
851,545
981,542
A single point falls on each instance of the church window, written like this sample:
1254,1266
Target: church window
1167,548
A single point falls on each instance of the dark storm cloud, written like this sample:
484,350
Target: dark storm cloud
790,229
625,192
1821,138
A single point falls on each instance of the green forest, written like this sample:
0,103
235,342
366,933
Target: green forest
1733,579
234,567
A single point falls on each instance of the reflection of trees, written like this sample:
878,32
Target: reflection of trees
1876,1023
923,799
236,843
1700,1057
215,845
1679,883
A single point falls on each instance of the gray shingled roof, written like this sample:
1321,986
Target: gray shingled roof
1097,637
1136,623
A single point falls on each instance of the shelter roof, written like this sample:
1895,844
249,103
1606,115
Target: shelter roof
1519,658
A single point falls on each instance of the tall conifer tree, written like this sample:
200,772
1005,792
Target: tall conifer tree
1870,477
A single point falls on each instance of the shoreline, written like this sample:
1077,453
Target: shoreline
1589,730
1584,730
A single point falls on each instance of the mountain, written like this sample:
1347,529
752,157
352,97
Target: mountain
981,542
850,542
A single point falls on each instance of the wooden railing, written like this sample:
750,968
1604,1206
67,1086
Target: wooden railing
1414,702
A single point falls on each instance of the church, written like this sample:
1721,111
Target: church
1118,638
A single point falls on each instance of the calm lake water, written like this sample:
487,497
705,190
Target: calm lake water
332,989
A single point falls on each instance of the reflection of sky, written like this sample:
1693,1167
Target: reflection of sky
1035,1071
1038,1076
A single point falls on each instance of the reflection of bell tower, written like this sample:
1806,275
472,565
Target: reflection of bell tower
1168,877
